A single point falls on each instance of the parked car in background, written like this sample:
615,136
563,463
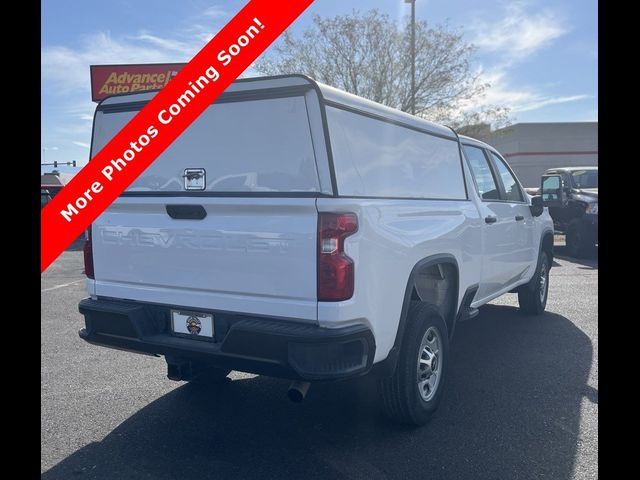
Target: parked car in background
298,231
45,197
575,207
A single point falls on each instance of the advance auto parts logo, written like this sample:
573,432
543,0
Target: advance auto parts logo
194,325
107,80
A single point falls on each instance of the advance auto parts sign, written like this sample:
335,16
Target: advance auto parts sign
107,80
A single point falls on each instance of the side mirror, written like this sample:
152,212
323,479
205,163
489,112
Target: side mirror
553,195
536,206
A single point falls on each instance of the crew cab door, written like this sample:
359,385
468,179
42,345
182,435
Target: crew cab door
524,253
508,224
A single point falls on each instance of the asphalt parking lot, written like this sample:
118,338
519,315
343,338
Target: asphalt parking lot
521,402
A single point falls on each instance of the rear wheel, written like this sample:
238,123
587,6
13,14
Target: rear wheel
414,391
532,297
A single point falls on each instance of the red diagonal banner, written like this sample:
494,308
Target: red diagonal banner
225,57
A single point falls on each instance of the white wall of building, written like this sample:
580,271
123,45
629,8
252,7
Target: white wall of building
533,148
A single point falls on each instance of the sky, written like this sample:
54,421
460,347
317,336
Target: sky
540,57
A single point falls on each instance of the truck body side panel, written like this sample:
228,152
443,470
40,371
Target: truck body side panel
393,236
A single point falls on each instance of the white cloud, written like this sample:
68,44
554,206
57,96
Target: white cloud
66,70
545,101
67,108
74,118
520,32
508,40
520,98
70,128
166,44
214,12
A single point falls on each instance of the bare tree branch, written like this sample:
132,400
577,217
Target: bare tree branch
369,55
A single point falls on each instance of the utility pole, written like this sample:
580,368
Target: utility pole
413,55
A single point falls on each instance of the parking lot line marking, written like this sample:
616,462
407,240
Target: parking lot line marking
60,286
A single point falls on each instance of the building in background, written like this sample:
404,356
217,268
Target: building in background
532,148
53,182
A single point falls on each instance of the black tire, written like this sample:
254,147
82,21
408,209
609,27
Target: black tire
532,297
400,394
579,239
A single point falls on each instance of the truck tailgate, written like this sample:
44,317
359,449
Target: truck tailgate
251,255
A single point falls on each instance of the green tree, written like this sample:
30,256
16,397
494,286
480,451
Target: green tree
369,55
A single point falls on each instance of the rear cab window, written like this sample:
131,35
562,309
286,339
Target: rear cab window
262,145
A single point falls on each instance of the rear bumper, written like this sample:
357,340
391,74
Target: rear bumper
247,343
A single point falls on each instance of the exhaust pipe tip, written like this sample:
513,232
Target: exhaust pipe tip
298,391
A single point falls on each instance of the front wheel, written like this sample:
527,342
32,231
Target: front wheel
414,391
532,297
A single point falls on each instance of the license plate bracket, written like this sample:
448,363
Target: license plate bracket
195,325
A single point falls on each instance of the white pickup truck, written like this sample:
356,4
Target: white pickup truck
298,231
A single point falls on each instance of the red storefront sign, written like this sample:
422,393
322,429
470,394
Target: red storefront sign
109,80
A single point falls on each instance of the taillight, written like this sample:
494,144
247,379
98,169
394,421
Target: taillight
335,268
87,249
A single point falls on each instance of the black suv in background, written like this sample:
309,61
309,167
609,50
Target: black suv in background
575,207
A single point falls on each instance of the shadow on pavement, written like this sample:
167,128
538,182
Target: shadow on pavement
511,410
591,262
77,244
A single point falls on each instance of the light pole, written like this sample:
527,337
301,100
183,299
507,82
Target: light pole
44,153
413,55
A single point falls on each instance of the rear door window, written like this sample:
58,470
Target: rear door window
511,188
482,174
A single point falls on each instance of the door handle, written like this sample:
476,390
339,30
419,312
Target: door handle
490,219
186,212
519,218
